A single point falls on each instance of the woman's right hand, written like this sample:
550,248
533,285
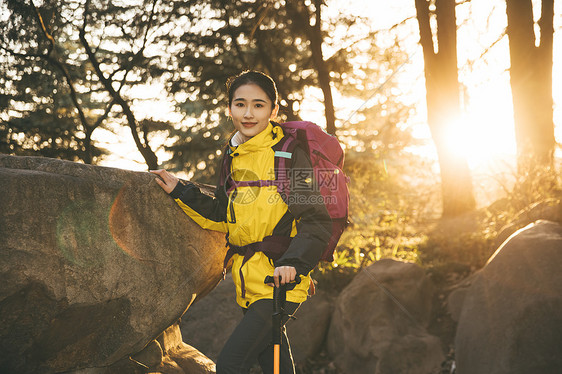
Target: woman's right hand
167,181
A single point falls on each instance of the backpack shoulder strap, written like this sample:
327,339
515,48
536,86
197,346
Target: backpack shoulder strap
284,149
283,160
225,163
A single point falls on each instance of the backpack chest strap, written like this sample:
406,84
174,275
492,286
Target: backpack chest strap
272,246
280,184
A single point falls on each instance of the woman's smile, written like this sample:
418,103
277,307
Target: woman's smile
251,110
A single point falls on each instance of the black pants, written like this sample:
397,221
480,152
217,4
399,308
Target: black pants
251,342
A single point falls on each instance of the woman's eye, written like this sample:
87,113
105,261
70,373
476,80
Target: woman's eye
259,105
240,105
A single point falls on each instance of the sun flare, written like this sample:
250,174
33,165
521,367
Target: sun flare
484,133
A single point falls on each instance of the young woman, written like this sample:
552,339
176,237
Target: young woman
266,235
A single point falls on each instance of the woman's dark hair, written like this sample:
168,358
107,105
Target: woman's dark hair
261,80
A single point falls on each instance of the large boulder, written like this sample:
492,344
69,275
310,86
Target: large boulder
95,263
307,332
549,210
511,316
380,320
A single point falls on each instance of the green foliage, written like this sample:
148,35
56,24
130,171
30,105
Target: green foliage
197,149
533,184
386,222
43,133
392,190
385,214
50,79
189,48
36,115
224,38
465,241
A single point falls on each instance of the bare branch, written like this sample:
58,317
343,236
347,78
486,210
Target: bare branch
43,27
264,11
401,23
104,116
489,48
149,24
61,67
144,148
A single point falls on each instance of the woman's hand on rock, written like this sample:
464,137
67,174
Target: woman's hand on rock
167,181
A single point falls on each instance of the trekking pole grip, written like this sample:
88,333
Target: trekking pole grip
279,295
277,317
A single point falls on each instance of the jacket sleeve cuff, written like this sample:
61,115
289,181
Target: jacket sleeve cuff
180,189
300,267
303,253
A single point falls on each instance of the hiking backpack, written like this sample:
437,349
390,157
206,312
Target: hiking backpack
326,156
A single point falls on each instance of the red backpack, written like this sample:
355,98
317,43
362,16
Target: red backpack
326,156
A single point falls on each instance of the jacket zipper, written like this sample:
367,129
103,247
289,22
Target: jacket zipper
231,206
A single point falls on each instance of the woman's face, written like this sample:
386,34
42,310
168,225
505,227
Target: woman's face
251,109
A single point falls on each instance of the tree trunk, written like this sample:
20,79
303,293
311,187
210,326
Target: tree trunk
322,69
314,34
531,82
88,148
443,105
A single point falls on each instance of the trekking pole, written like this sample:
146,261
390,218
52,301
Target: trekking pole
279,297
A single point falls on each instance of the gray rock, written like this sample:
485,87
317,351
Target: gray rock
94,264
549,210
511,318
209,322
379,323
189,359
179,357
152,355
457,295
170,339
307,333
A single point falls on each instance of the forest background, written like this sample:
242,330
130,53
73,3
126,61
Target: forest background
447,110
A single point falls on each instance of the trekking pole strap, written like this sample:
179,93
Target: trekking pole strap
279,298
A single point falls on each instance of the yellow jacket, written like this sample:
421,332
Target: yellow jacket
250,214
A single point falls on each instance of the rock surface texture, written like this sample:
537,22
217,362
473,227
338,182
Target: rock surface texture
511,316
307,332
179,357
380,320
95,263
